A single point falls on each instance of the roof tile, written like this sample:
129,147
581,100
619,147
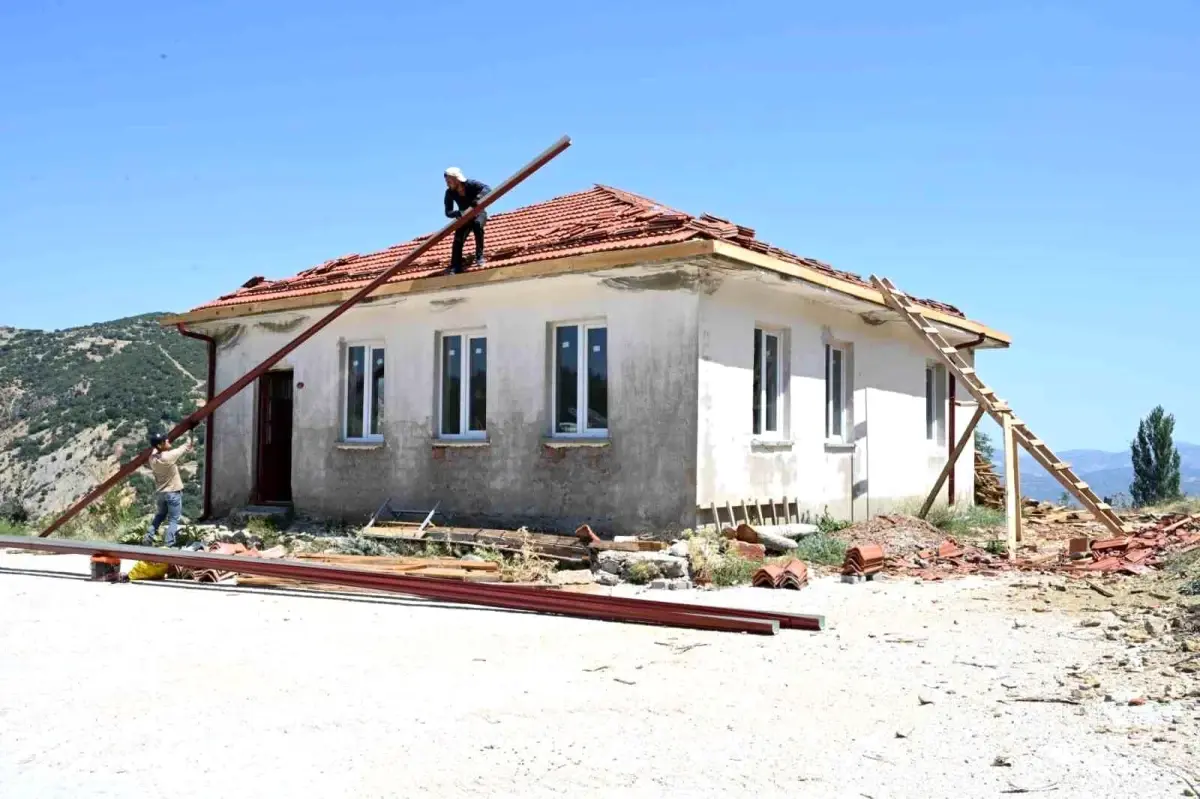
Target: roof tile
597,220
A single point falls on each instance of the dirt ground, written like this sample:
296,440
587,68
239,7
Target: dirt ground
914,690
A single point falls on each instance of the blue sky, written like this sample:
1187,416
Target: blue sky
1033,163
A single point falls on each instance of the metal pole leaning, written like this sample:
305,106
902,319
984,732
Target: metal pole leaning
220,399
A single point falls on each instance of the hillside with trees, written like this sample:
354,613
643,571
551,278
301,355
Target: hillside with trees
75,402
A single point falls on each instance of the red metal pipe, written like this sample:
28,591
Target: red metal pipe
722,619
210,423
202,413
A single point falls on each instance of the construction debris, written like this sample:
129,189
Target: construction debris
771,541
565,550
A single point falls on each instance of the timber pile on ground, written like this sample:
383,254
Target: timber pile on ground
565,550
989,491
441,568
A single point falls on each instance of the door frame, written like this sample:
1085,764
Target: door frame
260,416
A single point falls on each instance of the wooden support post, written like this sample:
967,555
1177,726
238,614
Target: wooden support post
949,467
746,513
1012,487
729,509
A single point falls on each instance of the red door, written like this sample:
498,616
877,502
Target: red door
274,467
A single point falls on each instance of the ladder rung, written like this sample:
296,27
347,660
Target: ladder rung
1036,442
1082,486
1103,506
1060,466
966,371
929,329
948,350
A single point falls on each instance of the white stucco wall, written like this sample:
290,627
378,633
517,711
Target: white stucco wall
642,479
889,461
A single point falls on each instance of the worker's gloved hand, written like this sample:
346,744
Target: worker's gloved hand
455,214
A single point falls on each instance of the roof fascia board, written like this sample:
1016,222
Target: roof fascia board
574,264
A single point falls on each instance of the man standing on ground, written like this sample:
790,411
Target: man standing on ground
168,487
465,194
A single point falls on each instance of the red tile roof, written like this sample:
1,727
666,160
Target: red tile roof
596,220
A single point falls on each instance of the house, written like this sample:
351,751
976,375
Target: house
616,362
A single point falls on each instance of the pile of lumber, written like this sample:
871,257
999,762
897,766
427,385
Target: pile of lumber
989,491
563,549
440,568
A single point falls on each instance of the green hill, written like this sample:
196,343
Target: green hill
74,402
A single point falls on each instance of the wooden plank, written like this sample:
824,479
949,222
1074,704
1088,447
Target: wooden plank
628,546
716,519
949,467
365,561
746,513
729,510
774,518
1012,490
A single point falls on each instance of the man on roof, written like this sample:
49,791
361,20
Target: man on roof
465,194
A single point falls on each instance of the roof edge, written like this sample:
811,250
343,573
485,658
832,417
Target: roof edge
588,262
733,252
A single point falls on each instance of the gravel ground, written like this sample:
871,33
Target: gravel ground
145,690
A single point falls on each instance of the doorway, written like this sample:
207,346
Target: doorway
273,478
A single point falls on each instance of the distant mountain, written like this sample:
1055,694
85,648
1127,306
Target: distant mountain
1108,473
72,402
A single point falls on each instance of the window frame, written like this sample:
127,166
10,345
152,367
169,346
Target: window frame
759,431
464,400
583,360
370,347
937,395
844,437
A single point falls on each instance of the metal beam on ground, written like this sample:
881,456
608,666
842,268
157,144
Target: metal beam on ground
220,399
674,614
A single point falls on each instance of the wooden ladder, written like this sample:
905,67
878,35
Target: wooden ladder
999,410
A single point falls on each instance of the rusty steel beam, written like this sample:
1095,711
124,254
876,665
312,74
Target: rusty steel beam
220,399
513,598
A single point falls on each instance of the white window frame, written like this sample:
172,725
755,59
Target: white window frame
369,350
937,380
780,383
464,400
582,430
846,435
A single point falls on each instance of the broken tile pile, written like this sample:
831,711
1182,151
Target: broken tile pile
1138,553
793,575
1134,554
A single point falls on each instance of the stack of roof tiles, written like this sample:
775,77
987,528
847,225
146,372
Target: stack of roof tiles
793,575
597,220
863,560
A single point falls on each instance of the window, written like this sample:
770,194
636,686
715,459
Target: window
364,393
935,403
580,380
768,382
836,417
462,386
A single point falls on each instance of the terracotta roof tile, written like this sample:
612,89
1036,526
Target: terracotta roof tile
597,220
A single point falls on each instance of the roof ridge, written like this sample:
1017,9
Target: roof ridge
633,198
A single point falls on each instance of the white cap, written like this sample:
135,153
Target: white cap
455,172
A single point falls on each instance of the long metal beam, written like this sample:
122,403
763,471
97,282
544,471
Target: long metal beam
220,399
511,597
